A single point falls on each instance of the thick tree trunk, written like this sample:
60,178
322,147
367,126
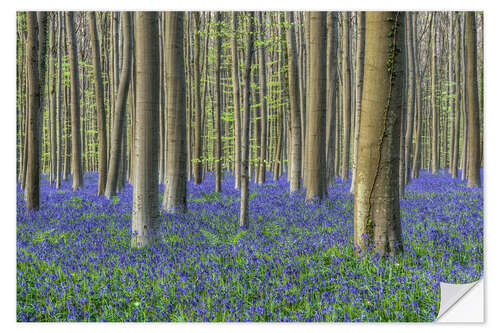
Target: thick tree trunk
174,199
246,123
52,92
145,212
316,109
33,141
120,109
473,157
376,206
101,112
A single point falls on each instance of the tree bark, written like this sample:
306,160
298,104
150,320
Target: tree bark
376,206
473,157
360,54
249,50
174,199
101,113
145,212
316,109
76,146
346,97
33,142
120,109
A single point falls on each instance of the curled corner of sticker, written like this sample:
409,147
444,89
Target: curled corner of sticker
461,302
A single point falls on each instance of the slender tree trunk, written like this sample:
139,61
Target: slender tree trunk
101,113
410,96
246,123
376,205
458,98
174,199
263,106
120,109
218,135
435,111
52,92
473,157
293,87
346,97
360,54
145,212
198,139
316,109
76,145
236,102
59,100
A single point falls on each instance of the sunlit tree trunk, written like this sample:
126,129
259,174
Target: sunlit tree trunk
458,98
346,95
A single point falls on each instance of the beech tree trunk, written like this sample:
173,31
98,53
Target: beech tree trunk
174,199
145,211
249,50
473,157
115,158
316,109
346,96
101,112
376,205
33,142
76,145
293,87
360,54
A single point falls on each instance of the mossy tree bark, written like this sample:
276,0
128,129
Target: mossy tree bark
376,206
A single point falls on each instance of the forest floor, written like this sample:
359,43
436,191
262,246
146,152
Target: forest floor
294,263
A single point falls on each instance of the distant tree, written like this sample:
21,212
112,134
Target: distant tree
236,102
331,93
145,208
174,199
316,109
261,170
458,98
218,105
376,205
245,142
